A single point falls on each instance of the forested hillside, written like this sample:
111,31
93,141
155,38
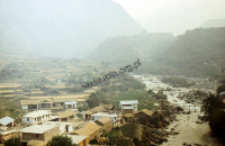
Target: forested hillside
199,52
128,48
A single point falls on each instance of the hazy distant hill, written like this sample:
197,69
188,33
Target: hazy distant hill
128,48
214,23
61,28
197,52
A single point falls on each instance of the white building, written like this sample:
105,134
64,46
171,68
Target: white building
7,128
129,104
70,105
38,135
64,127
37,117
7,121
29,104
116,117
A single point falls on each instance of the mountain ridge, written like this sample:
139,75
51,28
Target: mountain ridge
68,29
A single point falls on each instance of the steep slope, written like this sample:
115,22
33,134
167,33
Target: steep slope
129,48
61,28
214,23
197,52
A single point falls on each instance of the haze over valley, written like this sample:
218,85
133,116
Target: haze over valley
112,72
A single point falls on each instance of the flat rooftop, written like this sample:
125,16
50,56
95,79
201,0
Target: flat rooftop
77,138
105,114
37,129
38,113
129,102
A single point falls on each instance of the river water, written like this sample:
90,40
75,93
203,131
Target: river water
152,82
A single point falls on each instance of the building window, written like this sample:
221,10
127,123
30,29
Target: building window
27,119
36,135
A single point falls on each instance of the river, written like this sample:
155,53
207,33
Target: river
152,82
190,132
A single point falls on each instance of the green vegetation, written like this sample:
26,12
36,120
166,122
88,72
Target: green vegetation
107,92
96,98
13,142
145,102
215,115
60,141
123,82
124,49
175,81
10,108
220,89
114,133
11,71
129,130
198,53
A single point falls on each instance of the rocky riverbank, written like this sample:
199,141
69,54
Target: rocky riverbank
189,130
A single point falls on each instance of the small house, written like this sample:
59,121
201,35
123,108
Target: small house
91,130
115,116
128,105
6,133
7,128
46,103
105,123
64,127
144,113
38,134
128,117
7,121
37,117
59,102
87,114
66,115
79,140
70,105
29,104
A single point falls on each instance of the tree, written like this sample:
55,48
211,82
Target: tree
60,140
13,142
220,89
215,115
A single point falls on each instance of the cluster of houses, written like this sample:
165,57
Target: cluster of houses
41,125
60,103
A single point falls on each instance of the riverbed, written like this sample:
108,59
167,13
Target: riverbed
190,132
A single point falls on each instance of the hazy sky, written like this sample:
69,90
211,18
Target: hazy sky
174,16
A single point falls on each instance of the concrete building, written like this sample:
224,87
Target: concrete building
29,104
7,121
45,103
86,115
129,104
38,117
7,133
79,140
66,115
64,127
105,123
91,130
145,113
59,102
38,134
116,117
7,128
70,105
